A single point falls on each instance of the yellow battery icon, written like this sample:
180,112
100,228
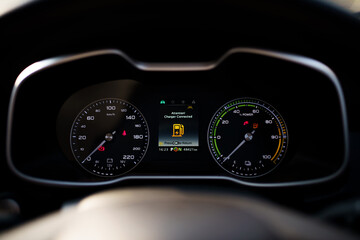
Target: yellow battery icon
178,130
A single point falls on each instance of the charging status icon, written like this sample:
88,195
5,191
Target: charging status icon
178,130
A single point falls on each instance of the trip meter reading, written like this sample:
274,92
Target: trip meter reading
247,137
109,137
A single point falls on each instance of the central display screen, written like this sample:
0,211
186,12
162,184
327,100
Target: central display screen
178,126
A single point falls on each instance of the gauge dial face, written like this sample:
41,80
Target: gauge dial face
109,137
247,137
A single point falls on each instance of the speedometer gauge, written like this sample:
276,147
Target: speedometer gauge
109,137
247,137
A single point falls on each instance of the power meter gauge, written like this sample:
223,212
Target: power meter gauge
247,137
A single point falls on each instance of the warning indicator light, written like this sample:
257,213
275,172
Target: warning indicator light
101,149
178,130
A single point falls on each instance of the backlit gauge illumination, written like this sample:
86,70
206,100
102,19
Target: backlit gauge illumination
247,137
109,137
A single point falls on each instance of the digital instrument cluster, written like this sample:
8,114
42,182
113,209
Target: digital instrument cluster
246,137
249,117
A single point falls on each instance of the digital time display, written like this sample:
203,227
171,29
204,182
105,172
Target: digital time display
178,126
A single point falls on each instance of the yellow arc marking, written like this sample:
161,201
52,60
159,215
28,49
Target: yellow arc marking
275,155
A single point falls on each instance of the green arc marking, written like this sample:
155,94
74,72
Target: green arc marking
221,116
216,147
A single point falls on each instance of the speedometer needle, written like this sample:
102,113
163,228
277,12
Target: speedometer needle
88,157
107,138
248,137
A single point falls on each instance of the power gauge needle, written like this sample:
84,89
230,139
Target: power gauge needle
248,137
108,137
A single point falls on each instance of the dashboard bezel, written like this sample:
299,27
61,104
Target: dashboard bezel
172,67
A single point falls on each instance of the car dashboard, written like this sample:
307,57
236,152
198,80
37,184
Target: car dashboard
248,98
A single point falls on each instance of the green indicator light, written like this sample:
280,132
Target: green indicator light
162,102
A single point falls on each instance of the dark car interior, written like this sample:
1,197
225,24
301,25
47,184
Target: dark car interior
179,120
